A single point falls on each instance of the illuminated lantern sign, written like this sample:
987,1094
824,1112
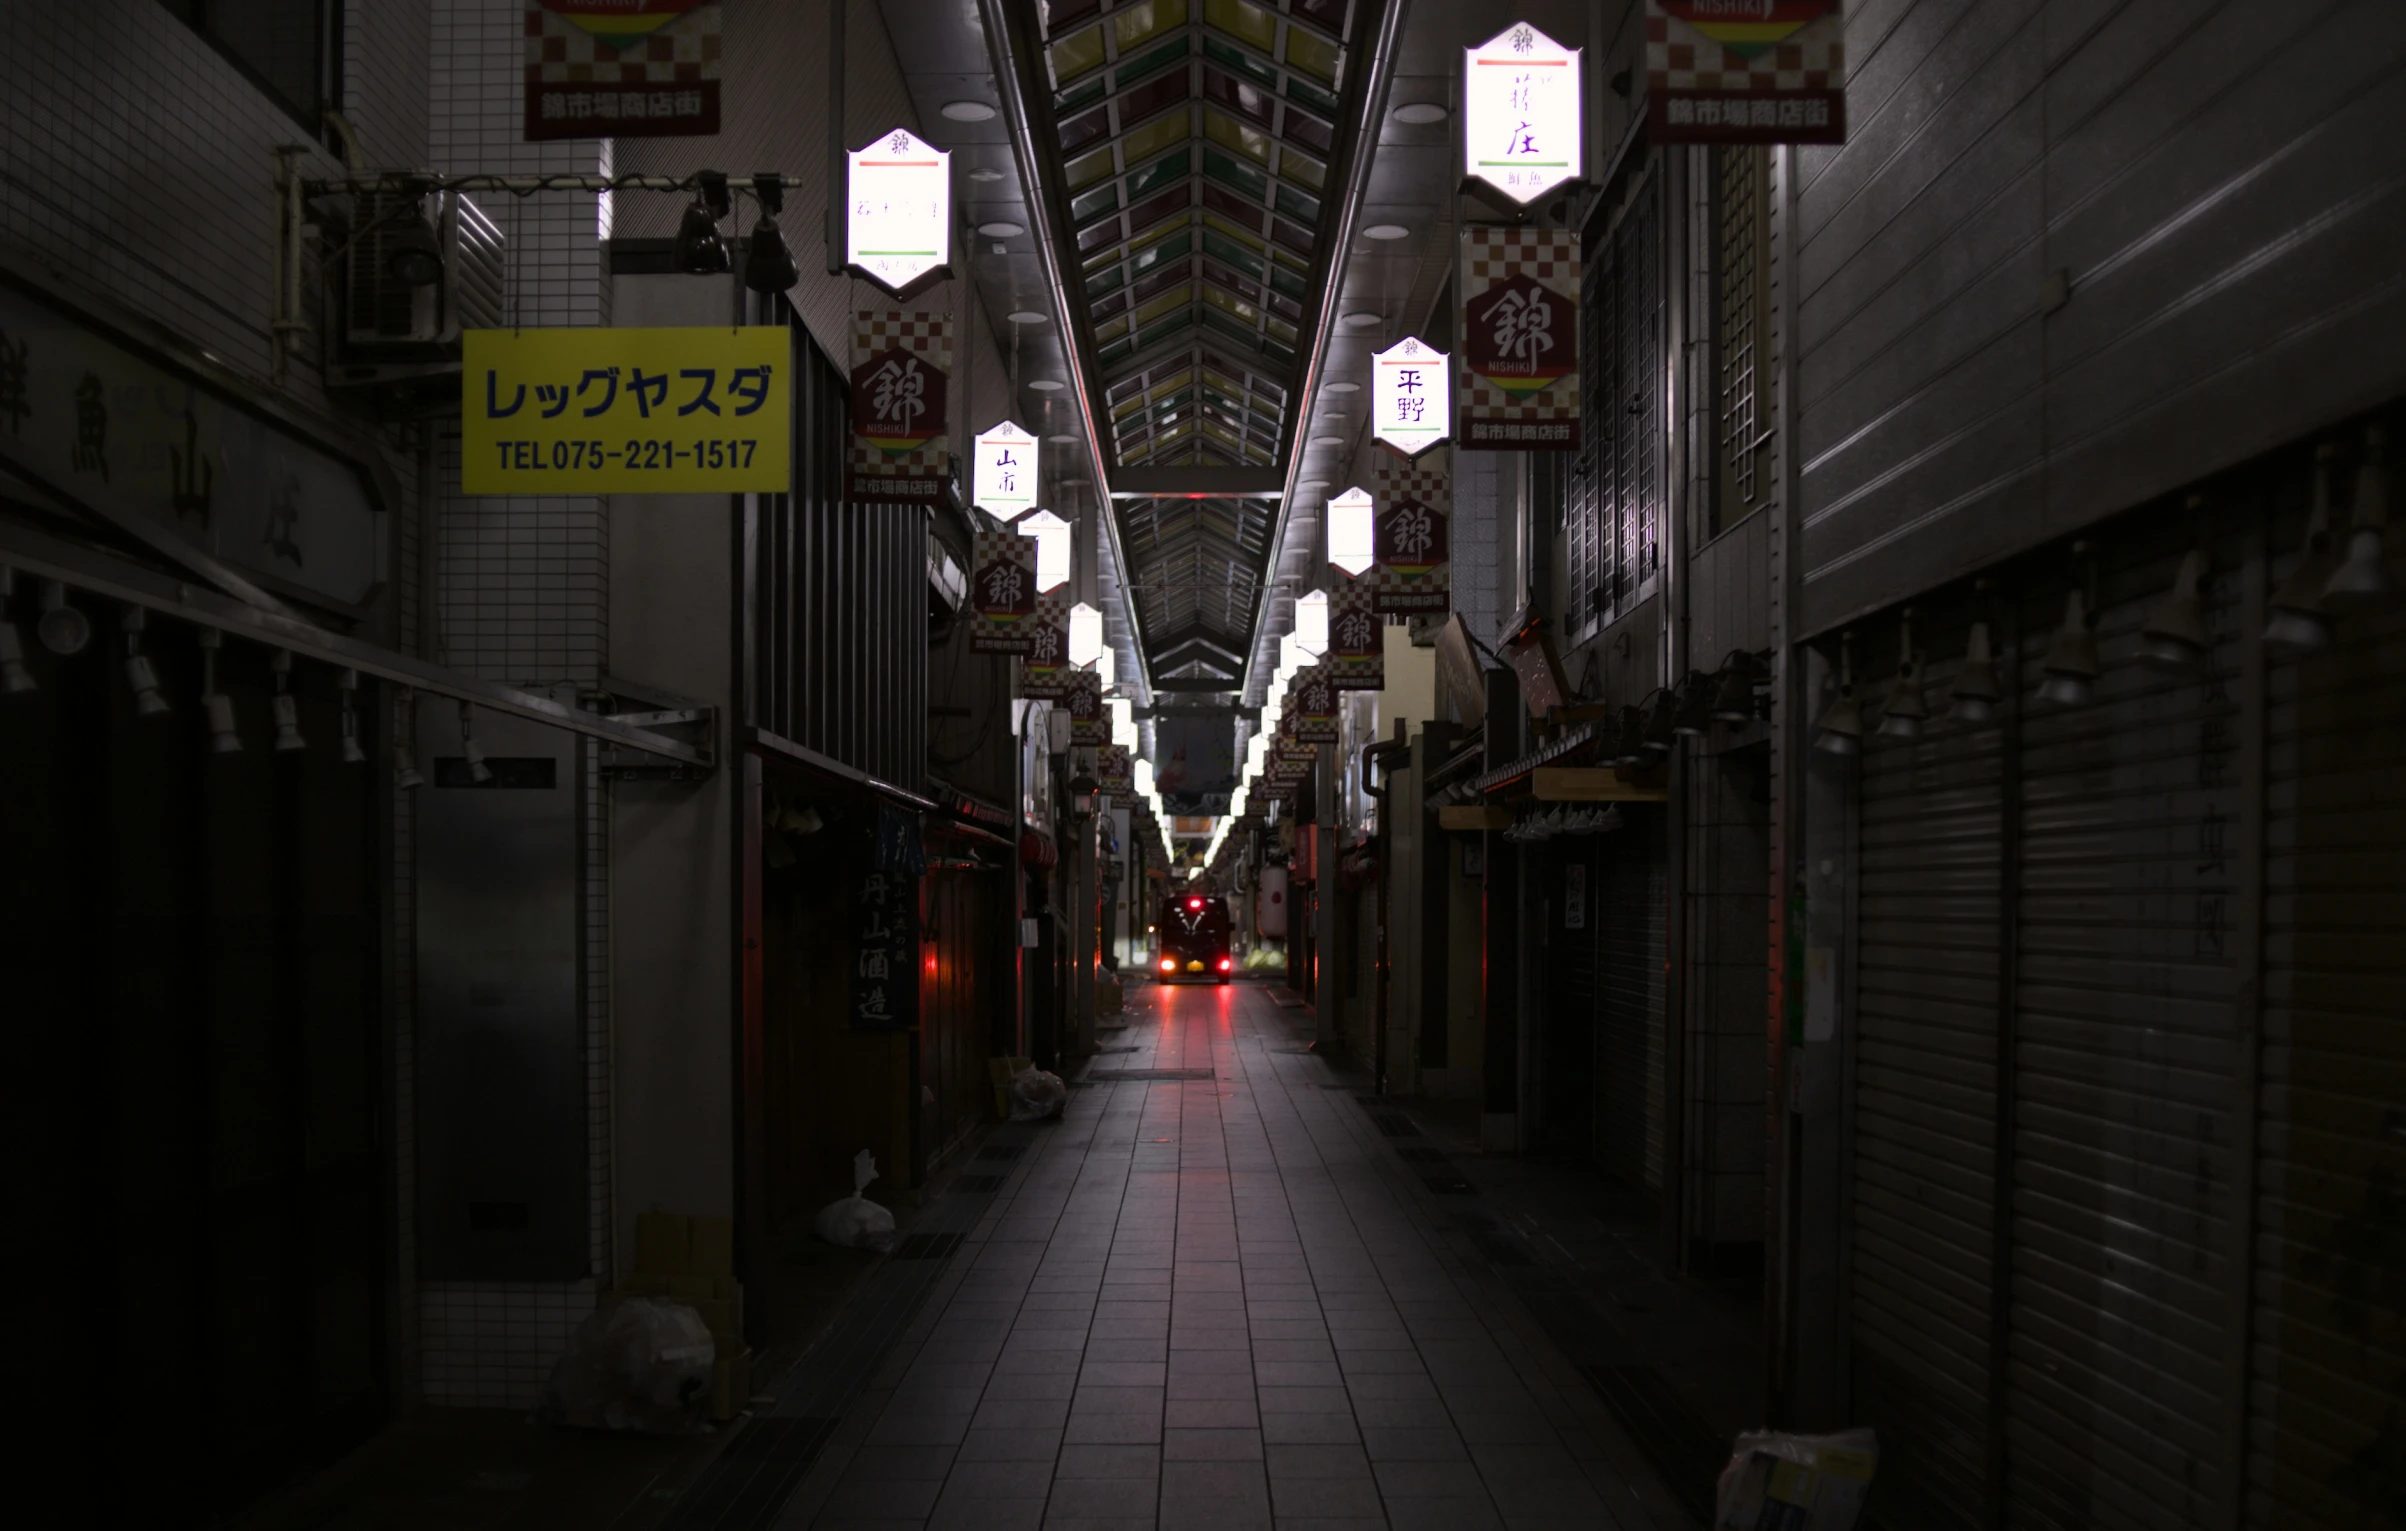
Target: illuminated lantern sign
1002,593
1002,472
898,216
1520,113
1349,521
1052,549
1411,396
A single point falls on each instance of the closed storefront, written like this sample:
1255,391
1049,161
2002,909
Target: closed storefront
1605,1030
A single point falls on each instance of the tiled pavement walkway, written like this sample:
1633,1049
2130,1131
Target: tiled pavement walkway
1222,1302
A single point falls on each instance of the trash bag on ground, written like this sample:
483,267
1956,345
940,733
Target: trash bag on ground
1036,1094
857,1222
1780,1482
638,1364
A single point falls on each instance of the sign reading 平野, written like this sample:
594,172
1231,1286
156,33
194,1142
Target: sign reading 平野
1002,593
901,385
1768,72
1044,664
1411,396
622,68
1520,338
1413,575
898,211
1357,639
625,411
1521,122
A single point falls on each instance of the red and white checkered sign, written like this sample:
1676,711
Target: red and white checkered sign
882,340
1412,533
1357,638
1520,339
1044,667
1002,593
1776,75
622,68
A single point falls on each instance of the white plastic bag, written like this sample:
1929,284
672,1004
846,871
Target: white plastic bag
1780,1482
638,1364
857,1222
1036,1094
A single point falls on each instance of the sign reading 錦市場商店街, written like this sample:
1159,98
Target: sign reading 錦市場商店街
622,68
1773,73
626,411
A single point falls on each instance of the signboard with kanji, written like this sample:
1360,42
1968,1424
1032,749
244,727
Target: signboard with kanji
1520,338
621,68
885,927
1357,639
1089,725
1521,113
1411,536
1768,73
1314,705
1002,592
1044,663
632,411
1411,396
898,210
1002,471
901,390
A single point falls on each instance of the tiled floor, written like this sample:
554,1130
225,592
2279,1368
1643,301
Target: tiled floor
1222,1302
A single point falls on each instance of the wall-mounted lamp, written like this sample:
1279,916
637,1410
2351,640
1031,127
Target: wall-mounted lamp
215,705
699,251
346,690
2176,636
768,264
2364,575
1976,693
286,707
1840,731
2298,624
149,700
1907,708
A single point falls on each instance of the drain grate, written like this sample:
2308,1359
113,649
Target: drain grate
1145,1076
977,1184
1681,1446
926,1246
1002,1152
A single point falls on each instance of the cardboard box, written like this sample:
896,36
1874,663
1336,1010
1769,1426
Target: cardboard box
663,1242
710,1245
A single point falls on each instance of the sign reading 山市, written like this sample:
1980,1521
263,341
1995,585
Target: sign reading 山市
1002,471
625,411
621,68
901,388
1520,338
1773,72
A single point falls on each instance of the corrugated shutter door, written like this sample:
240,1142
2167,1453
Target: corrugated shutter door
1925,1055
1569,1065
1629,1002
2123,1054
2330,1312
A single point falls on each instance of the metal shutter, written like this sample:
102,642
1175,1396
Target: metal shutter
2123,1052
2329,1347
1568,1068
1929,886
1629,1000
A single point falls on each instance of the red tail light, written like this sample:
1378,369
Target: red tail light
1169,965
1194,903
1224,964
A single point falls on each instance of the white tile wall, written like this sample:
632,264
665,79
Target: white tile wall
1481,530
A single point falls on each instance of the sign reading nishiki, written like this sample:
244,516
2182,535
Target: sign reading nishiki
1002,593
621,68
1044,667
1771,72
1520,338
1313,706
901,387
1082,694
1410,538
1357,639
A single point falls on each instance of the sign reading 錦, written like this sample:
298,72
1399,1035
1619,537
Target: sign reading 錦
1002,593
1115,770
1089,725
898,210
901,389
1002,472
1314,705
1520,338
633,411
621,68
1414,575
1767,73
1411,396
1044,664
1521,113
1357,639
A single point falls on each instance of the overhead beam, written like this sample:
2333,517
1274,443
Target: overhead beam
1144,483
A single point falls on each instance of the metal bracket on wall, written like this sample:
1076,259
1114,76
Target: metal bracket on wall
692,723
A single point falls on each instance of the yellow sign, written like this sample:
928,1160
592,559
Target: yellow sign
601,411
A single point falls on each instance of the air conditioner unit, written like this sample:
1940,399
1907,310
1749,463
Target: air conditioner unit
397,341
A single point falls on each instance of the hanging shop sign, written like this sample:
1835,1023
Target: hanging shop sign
1002,593
1044,667
901,390
1521,113
1315,704
1350,534
1002,472
1089,724
633,411
621,68
1770,73
1052,548
1520,338
885,913
97,423
1115,769
1357,639
898,211
1411,396
1414,573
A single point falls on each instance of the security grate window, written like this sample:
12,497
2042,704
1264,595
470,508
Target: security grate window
1612,505
1741,187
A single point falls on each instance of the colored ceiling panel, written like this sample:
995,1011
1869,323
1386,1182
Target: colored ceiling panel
1185,129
